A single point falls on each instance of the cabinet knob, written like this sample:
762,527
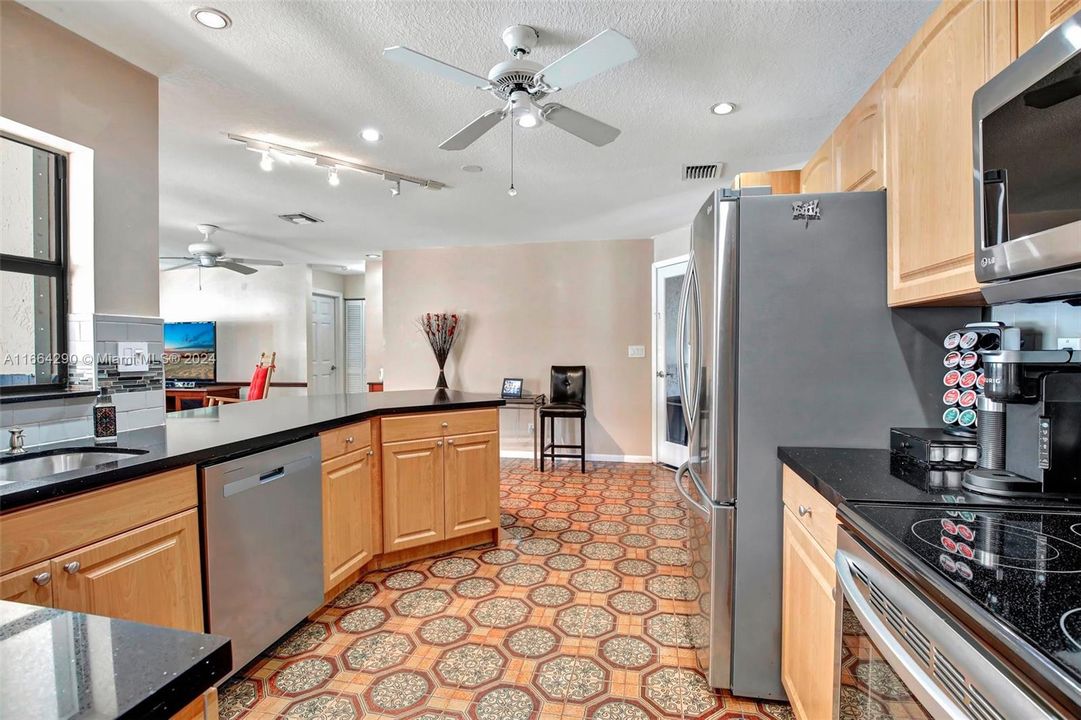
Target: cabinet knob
450,442
43,578
446,424
439,443
349,440
72,567
804,510
371,452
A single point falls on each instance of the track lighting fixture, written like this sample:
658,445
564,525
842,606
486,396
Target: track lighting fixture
396,188
332,177
267,163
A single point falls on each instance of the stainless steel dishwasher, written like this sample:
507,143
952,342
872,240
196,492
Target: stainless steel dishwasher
263,542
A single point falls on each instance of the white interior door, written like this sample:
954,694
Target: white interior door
323,371
669,427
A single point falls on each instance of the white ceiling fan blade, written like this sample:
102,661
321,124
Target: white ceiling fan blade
181,266
420,61
471,132
601,52
250,261
236,267
589,129
176,257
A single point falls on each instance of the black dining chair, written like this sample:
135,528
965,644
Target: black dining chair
567,400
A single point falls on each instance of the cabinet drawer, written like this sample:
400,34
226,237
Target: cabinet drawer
339,441
429,425
40,532
819,516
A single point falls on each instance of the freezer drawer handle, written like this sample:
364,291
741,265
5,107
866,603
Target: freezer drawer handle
686,496
253,481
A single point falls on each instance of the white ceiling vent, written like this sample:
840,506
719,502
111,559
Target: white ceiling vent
300,218
703,172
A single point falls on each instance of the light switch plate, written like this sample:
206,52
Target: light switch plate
636,351
1071,343
132,357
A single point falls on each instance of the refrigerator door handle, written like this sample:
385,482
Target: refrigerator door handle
695,387
702,509
681,369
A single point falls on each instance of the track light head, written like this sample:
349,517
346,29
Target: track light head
332,177
267,163
396,189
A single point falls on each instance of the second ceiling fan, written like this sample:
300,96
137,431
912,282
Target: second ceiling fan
520,83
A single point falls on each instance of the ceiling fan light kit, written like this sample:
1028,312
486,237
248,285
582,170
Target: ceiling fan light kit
207,254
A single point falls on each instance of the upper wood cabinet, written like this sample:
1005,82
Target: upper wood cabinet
1036,17
472,499
859,148
929,90
151,575
347,515
413,509
780,182
817,174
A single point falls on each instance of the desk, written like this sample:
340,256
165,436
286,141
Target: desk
174,397
534,401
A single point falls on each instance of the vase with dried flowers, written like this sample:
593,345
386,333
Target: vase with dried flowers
441,329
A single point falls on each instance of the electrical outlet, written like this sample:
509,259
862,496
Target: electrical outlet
636,351
1071,343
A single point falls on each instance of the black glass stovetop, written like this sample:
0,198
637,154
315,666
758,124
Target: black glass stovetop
1022,567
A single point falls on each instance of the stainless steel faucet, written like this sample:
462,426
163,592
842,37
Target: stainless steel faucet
15,445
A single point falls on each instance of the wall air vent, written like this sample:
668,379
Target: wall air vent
703,172
300,218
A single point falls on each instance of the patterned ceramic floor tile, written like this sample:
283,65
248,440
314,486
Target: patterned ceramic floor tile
584,611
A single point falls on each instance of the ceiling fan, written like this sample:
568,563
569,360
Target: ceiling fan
206,254
520,83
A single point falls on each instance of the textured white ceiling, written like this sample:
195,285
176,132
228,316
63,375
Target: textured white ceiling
310,74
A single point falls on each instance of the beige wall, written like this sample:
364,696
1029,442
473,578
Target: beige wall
62,84
328,281
354,287
528,307
374,342
672,244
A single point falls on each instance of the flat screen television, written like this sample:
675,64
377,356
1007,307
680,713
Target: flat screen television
191,352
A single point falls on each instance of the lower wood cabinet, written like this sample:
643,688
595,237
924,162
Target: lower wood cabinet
413,509
347,515
470,462
32,585
809,647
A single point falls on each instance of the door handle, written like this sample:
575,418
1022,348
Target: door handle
703,510
681,315
333,368
662,374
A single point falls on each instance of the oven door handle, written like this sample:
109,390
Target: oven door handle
901,661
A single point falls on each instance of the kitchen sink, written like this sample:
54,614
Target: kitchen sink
33,465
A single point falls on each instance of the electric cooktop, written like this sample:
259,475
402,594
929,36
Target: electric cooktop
1022,567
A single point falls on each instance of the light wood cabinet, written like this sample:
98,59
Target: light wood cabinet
347,515
348,438
1036,17
780,182
150,575
413,499
859,152
32,585
929,90
817,174
809,641
470,461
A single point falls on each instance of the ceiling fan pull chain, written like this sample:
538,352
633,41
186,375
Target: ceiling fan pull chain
512,191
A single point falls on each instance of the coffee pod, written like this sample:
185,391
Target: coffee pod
968,379
952,340
969,360
952,359
981,380
967,399
967,418
951,396
951,378
951,415
969,340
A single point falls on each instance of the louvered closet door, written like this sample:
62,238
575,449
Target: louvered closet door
354,346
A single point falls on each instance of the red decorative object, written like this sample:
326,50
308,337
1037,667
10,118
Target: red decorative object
441,329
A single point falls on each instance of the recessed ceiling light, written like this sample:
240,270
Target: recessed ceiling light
373,256
722,108
211,18
371,135
472,168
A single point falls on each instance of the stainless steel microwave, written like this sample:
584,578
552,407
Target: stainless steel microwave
1027,175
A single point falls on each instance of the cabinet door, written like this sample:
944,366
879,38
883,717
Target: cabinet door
817,174
151,574
471,483
858,147
412,494
929,90
347,515
809,652
32,585
1036,17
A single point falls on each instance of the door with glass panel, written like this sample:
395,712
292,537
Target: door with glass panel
670,427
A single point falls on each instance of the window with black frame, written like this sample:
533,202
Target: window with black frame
33,264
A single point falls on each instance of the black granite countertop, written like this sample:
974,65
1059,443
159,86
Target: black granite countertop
59,664
872,475
217,433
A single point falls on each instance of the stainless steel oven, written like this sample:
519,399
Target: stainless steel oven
1027,172
902,657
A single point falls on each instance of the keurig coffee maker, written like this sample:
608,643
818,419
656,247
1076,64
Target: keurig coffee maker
1029,427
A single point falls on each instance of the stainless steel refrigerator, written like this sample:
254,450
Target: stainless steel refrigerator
786,340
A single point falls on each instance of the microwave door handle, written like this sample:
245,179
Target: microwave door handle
901,661
681,339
